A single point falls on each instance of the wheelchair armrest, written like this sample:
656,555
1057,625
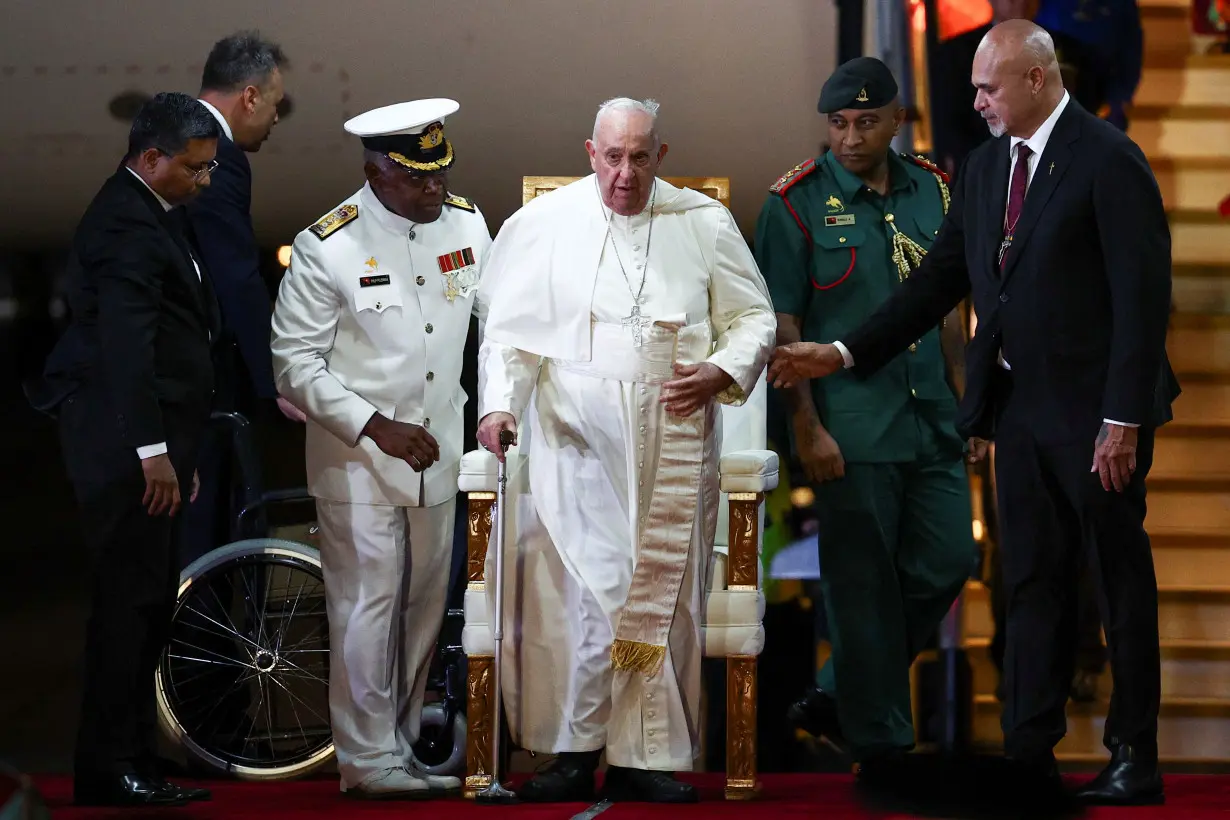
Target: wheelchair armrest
478,472
748,471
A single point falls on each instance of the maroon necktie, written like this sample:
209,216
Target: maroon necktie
1016,198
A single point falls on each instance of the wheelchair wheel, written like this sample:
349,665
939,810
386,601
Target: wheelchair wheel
441,747
243,686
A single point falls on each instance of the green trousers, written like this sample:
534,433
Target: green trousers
896,548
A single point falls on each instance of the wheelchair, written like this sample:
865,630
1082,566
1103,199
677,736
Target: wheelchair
242,686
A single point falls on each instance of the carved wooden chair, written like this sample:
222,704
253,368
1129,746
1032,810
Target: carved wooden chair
734,609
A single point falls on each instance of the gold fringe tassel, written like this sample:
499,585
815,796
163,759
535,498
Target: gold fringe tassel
642,657
907,254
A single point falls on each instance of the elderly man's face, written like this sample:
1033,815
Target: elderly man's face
179,178
625,159
1007,89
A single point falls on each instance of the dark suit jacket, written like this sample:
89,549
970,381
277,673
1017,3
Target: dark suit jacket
221,218
1081,308
137,350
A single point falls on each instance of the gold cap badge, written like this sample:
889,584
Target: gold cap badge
862,96
432,137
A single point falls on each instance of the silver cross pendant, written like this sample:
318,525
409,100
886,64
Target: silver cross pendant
636,322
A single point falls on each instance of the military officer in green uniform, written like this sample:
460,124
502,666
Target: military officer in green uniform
835,237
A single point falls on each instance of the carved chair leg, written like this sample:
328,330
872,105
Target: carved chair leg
479,694
743,574
741,781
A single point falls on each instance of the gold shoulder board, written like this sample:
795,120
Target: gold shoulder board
460,202
792,176
328,224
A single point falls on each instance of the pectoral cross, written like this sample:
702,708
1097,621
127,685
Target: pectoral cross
636,322
1003,249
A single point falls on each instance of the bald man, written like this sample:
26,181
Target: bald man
1057,228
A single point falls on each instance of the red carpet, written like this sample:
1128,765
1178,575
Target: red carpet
1189,797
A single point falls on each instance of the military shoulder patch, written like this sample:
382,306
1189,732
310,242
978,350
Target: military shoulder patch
926,165
460,202
330,223
792,176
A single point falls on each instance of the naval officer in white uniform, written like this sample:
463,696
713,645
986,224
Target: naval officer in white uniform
368,334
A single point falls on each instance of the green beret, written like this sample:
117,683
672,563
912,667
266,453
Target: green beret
863,82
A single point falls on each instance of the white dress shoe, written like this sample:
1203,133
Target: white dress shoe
390,784
437,782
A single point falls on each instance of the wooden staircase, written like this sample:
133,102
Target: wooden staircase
1181,119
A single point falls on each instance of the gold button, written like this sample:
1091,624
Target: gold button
913,392
937,233
429,327
418,280
913,348
841,239
888,217
430,375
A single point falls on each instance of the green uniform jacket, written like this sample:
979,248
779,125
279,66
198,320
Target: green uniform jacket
825,247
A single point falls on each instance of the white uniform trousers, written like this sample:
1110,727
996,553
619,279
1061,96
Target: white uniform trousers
386,575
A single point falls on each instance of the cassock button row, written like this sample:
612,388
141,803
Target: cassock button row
653,750
429,327
652,713
649,696
418,280
651,732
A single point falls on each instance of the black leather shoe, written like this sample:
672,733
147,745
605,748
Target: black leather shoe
567,779
816,714
124,790
640,786
1130,779
192,793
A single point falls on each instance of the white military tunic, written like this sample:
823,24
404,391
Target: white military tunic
373,317
594,431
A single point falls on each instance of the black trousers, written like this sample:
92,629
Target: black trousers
134,578
1050,507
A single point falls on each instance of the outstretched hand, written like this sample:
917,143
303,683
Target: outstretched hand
799,361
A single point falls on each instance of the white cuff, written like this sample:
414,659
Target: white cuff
845,354
1120,423
151,450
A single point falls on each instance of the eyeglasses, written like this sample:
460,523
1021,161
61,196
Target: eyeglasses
199,175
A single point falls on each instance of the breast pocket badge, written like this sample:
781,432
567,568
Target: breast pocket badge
459,272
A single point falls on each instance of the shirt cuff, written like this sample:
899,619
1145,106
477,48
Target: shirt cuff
1120,423
845,354
151,450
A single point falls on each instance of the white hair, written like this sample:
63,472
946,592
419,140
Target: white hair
647,107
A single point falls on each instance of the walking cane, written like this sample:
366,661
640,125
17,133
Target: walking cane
496,793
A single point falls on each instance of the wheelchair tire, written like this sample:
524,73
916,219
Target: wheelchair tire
207,654
441,749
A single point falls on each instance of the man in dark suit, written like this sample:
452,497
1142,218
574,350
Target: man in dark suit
242,86
1067,372
131,382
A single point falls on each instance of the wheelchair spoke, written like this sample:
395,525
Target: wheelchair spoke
282,627
251,595
234,632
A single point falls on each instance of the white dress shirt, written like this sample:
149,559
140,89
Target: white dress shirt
226,126
151,450
1037,144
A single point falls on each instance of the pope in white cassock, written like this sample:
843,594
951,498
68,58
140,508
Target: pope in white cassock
368,335
621,310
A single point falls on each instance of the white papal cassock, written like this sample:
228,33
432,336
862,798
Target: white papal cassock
608,547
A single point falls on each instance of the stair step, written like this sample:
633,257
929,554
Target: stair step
1190,730
1196,457
1167,27
1186,85
1201,237
1181,131
1192,184
1205,399
1185,613
1198,294
1185,510
1199,348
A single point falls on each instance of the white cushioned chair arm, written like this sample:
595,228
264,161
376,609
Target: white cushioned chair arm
748,471
476,636
733,623
478,472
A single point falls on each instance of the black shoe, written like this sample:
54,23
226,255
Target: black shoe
1130,779
191,793
639,786
567,779
1034,783
816,714
124,790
